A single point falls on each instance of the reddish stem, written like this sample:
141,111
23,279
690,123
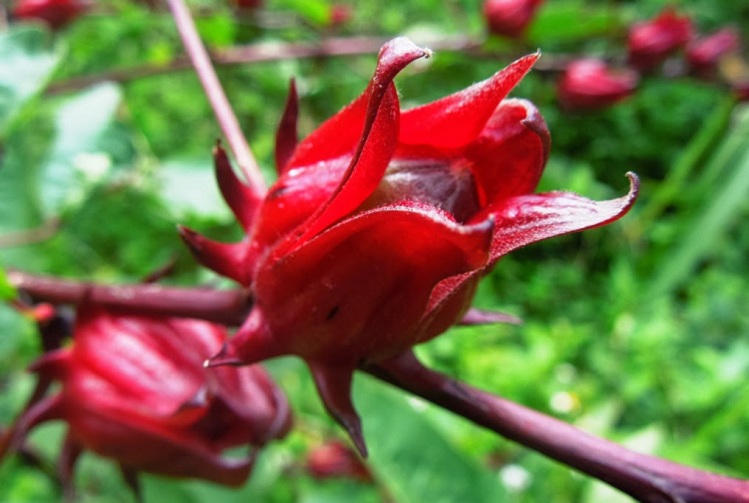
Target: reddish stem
223,306
215,93
644,477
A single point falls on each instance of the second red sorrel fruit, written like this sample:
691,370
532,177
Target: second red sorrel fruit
382,222
134,389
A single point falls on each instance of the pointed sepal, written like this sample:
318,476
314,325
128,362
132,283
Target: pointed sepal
456,120
227,259
240,197
286,134
379,128
333,383
523,220
253,343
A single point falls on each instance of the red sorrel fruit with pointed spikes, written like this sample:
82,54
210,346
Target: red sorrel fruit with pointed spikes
510,18
650,42
589,84
56,13
382,222
134,389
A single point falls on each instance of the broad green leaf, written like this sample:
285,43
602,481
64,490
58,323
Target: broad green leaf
189,186
19,195
563,22
80,124
410,456
27,60
314,11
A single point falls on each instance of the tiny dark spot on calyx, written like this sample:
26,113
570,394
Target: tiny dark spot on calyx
332,313
277,192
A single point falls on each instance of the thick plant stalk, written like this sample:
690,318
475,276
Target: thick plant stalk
222,306
646,478
215,93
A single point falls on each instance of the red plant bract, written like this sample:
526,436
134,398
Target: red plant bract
382,222
134,389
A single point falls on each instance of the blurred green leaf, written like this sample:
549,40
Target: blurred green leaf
561,22
189,186
414,461
7,291
79,125
709,224
28,60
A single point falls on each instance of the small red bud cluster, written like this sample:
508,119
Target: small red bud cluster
590,84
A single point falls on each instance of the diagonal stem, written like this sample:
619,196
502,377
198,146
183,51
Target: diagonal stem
215,93
645,478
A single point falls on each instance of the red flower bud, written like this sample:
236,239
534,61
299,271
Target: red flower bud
382,221
651,42
588,84
56,13
134,389
339,15
509,18
248,4
705,53
335,460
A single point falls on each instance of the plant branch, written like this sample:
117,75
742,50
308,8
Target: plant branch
222,306
646,478
216,96
25,237
264,52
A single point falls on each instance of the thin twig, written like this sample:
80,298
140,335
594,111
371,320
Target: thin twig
646,478
262,52
215,93
30,236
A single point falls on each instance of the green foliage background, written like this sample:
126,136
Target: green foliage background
638,331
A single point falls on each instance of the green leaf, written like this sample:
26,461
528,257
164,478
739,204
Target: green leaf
189,186
7,291
19,194
27,60
562,22
80,124
711,222
410,456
